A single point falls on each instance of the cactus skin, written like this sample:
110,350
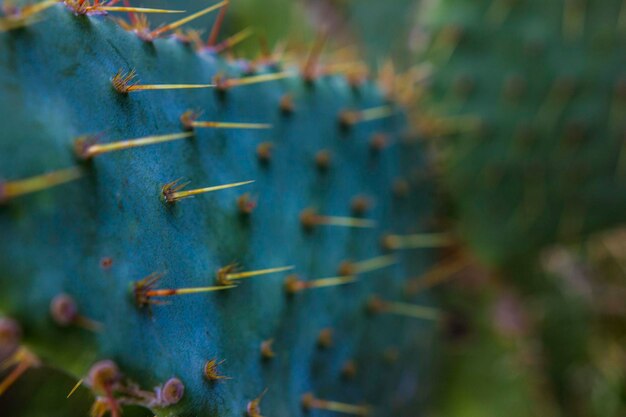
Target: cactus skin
93,237
545,162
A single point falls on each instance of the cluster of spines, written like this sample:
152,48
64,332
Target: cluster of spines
104,377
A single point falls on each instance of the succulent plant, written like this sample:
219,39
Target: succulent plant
524,108
527,98
230,302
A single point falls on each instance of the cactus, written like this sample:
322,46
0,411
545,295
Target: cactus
527,96
229,302
524,108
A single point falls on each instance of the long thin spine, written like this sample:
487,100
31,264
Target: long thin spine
146,87
309,71
136,9
230,125
12,189
294,285
182,291
250,274
235,39
24,360
74,388
416,241
157,32
27,15
38,7
374,263
125,83
176,195
376,305
13,376
410,310
438,274
329,282
346,221
93,150
357,410
88,324
348,118
376,113
256,79
309,401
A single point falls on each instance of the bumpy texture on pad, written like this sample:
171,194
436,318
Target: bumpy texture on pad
106,226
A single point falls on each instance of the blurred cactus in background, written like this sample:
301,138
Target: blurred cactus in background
525,111
529,99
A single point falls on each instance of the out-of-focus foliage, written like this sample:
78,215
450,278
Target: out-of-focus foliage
544,341
527,101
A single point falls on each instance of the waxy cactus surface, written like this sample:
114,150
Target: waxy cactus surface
123,199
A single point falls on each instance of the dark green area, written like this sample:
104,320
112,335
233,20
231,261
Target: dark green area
547,163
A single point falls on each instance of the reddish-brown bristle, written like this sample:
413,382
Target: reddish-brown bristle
346,268
400,187
378,142
286,104
360,205
217,26
349,369
23,360
246,204
264,152
323,160
10,338
325,338
267,349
